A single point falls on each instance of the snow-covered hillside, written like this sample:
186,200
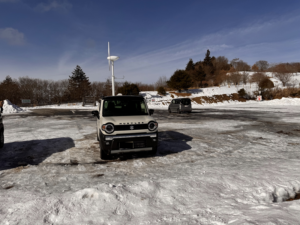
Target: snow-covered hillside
157,101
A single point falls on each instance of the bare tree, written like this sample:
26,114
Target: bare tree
245,77
242,66
284,73
262,65
284,77
221,63
257,78
161,82
236,78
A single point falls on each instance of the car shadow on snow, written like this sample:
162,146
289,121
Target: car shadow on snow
32,152
171,142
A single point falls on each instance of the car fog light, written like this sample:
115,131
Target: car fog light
154,139
107,143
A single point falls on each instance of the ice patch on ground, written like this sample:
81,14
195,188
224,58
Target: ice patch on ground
9,107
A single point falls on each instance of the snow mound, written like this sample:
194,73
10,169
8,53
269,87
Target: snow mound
283,101
9,107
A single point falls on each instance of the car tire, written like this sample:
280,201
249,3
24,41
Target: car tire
178,111
1,138
154,151
169,110
103,154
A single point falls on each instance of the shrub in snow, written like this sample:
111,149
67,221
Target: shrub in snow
265,85
242,92
161,91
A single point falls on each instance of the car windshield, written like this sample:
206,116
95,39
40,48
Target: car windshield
186,101
124,107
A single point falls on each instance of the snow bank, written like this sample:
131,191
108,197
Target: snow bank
283,101
9,107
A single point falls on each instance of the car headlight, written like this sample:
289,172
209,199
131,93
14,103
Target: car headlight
152,125
108,128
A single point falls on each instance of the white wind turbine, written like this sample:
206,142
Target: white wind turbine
111,60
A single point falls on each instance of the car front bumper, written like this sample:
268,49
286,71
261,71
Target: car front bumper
139,142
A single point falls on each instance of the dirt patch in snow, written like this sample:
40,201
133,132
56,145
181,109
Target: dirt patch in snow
180,94
218,98
297,197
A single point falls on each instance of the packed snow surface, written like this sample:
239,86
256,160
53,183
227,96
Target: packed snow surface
213,166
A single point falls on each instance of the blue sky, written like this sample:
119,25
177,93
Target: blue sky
153,38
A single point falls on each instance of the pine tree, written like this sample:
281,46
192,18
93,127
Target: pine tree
190,66
207,60
199,75
180,80
10,90
79,84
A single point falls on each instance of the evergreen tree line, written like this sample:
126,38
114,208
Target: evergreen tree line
63,91
216,71
211,71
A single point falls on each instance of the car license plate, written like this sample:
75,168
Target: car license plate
126,145
139,144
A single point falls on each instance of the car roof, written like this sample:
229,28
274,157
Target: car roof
123,96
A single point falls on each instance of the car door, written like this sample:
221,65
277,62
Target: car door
171,106
174,105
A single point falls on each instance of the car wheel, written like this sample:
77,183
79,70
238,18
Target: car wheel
2,138
169,110
178,111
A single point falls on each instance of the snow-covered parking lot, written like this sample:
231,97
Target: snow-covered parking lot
230,164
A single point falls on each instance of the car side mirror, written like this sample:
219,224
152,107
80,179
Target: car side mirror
95,113
151,111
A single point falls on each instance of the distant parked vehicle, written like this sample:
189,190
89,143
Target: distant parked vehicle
1,126
180,105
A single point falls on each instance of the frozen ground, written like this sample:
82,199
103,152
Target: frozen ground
218,165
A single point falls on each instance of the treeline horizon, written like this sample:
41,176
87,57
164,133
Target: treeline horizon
211,71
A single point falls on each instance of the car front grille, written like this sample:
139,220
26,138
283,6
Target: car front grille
131,127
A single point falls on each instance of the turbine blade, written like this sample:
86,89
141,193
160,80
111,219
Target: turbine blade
108,50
